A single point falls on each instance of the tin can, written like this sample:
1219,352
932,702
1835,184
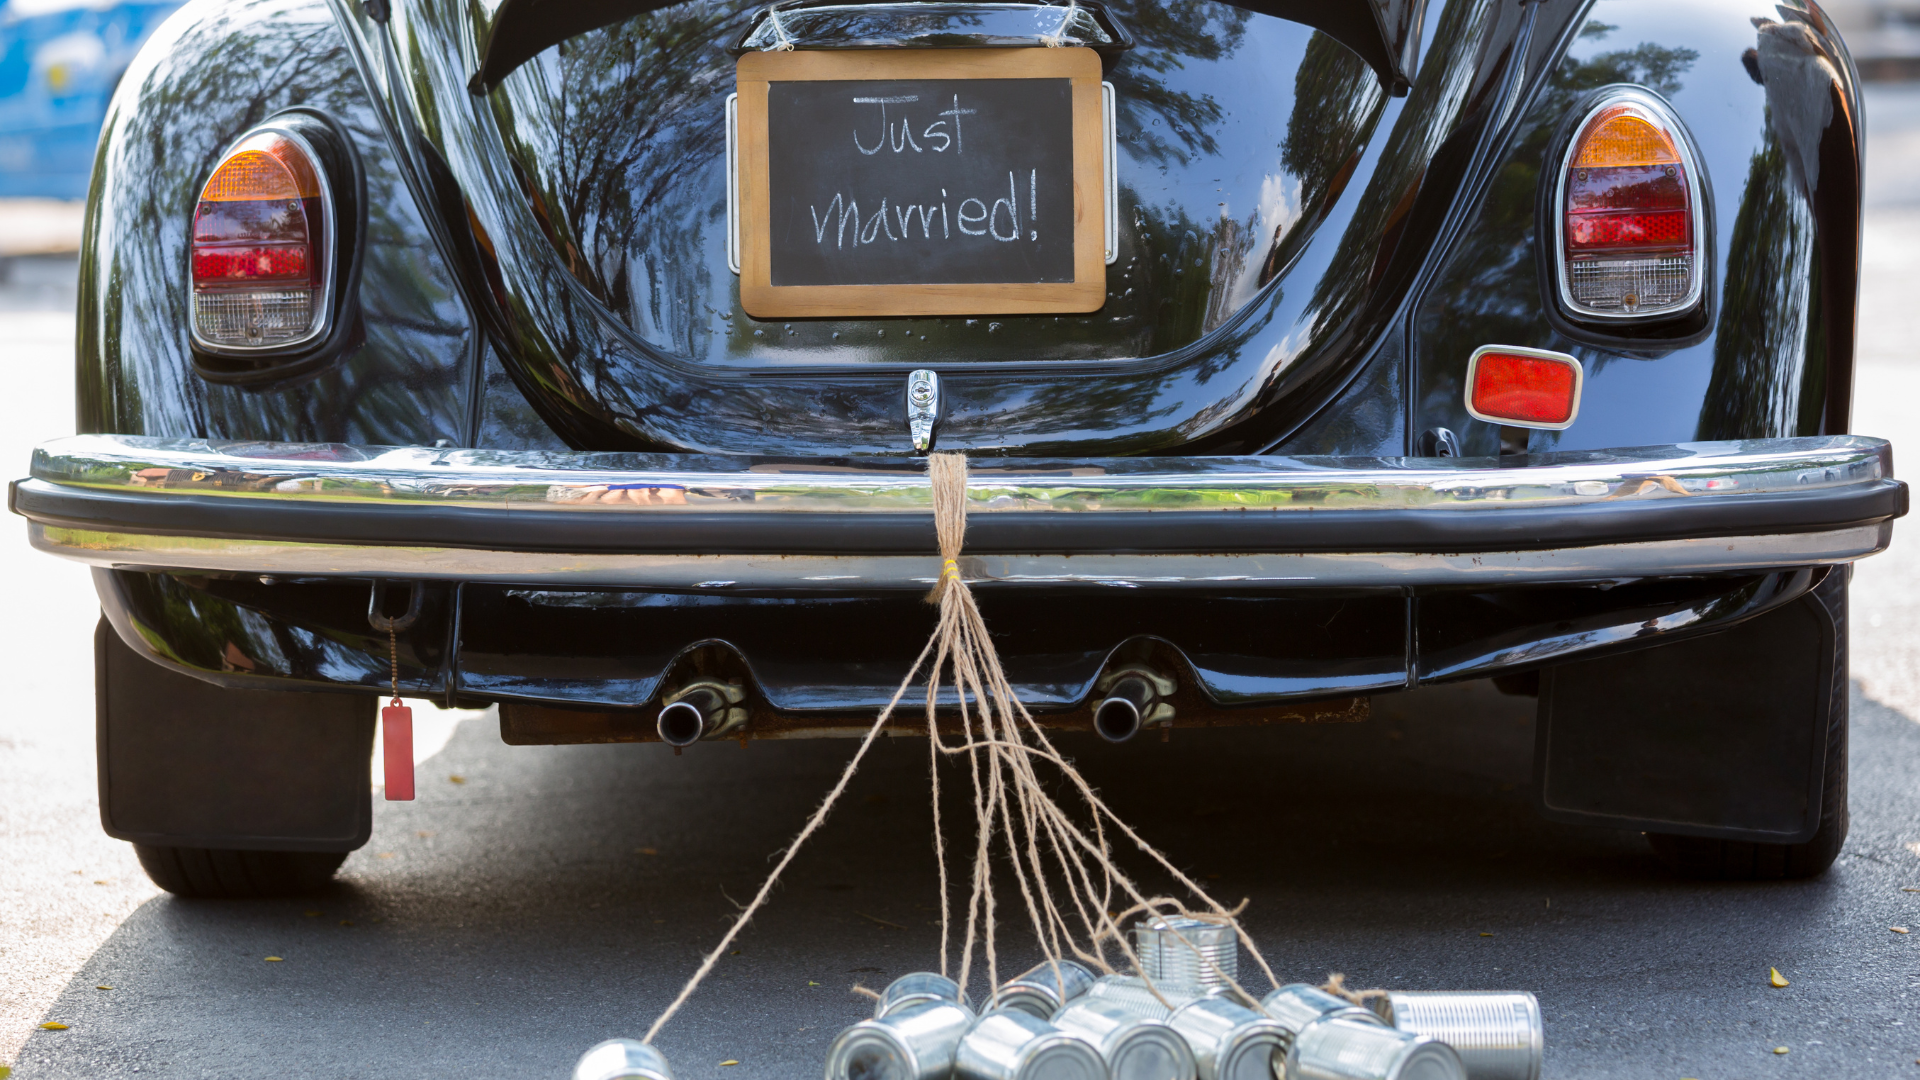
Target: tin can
1350,1048
1008,1044
622,1059
919,988
1229,1040
1132,993
1297,1004
1045,990
1135,1048
1166,958
1497,1033
915,1042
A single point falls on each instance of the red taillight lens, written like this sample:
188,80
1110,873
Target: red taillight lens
259,246
1523,387
1628,244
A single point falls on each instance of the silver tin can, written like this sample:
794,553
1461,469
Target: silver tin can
1135,1048
1166,958
1297,1004
622,1059
1497,1033
919,988
1045,990
1229,1040
1349,1048
1008,1044
915,1042
1131,993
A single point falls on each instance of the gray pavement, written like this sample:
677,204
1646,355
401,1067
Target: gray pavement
559,895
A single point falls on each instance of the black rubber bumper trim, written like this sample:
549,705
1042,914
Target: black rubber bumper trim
1002,533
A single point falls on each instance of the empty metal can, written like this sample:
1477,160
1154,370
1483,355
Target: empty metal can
1131,993
1229,1040
1135,1048
622,1059
1008,1044
915,1042
1045,990
1351,1048
919,988
1296,1005
1165,958
1497,1033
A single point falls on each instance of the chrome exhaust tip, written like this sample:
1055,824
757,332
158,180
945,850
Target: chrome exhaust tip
694,715
1118,718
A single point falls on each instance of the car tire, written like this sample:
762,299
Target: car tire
1734,860
216,874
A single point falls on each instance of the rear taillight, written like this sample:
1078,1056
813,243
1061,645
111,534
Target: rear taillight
1630,223
1530,388
261,276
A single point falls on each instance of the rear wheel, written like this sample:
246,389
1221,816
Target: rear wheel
212,873
1737,860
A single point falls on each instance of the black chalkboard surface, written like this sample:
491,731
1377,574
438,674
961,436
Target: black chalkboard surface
921,182
935,180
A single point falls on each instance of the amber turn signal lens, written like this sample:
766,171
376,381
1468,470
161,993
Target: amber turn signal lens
1519,387
259,246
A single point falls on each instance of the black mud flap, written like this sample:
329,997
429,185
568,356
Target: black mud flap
1720,736
185,763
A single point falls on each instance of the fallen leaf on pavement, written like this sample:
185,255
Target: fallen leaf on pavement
646,851
384,855
810,982
456,778
1777,981
1779,1049
53,1025
103,986
1483,933
1898,929
273,959
729,1061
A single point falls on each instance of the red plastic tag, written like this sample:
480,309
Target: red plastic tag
396,730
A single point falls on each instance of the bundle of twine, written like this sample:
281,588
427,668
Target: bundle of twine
1054,854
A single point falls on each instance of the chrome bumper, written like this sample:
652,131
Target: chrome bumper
691,521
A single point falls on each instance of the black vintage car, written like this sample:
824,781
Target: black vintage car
482,346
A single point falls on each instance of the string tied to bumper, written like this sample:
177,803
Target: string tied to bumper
1061,857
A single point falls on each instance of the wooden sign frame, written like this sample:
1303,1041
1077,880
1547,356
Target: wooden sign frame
764,300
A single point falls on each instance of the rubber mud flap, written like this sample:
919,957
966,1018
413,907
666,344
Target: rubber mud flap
1721,736
184,763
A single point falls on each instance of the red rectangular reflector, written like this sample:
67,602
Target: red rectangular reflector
1523,387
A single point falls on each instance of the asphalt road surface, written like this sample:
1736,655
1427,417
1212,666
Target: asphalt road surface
536,900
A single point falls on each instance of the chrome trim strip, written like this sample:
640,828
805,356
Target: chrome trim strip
1110,156
733,183
648,485
135,551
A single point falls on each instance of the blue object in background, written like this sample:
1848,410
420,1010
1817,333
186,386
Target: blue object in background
59,63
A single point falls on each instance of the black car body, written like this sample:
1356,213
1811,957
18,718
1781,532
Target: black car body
535,430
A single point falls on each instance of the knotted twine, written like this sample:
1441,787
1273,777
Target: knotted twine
1013,811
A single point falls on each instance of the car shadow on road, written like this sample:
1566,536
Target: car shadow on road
536,900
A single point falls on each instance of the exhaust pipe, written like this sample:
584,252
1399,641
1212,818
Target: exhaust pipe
702,710
1133,701
1118,718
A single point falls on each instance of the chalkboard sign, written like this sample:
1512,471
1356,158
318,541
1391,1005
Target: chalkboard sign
921,182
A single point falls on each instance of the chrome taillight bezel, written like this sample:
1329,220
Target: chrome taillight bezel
328,250
1663,113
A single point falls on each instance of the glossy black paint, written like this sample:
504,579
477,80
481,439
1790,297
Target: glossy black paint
1781,158
1252,375
209,74
824,651
544,268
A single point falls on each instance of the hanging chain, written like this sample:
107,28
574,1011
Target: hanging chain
393,657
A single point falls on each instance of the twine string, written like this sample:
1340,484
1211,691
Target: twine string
1046,846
